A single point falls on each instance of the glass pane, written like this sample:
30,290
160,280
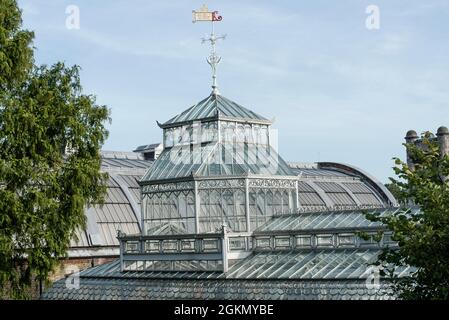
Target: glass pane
282,242
152,246
324,240
303,241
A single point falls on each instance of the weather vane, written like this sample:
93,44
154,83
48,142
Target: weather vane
203,14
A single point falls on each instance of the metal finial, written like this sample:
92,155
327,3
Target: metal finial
213,60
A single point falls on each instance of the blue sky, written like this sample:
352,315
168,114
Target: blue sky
338,91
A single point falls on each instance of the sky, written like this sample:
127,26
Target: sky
337,90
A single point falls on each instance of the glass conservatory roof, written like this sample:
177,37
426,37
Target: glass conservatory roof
325,264
317,172
217,159
321,220
306,264
215,107
121,207
309,264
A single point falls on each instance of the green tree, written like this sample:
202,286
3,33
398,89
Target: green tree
394,189
50,139
16,53
423,234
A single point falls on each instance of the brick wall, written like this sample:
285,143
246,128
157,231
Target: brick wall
69,266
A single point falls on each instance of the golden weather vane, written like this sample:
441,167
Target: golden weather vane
201,15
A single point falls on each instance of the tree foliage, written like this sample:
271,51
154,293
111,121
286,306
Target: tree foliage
422,234
16,54
394,189
50,137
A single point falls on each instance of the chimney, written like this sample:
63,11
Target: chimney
410,138
443,140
